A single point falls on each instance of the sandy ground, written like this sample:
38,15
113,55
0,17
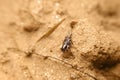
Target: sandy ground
27,54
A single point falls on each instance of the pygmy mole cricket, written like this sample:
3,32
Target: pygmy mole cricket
66,43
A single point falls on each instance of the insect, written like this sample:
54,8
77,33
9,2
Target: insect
67,43
66,47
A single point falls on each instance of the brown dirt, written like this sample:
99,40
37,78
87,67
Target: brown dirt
95,45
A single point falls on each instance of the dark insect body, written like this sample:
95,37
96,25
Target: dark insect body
66,43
